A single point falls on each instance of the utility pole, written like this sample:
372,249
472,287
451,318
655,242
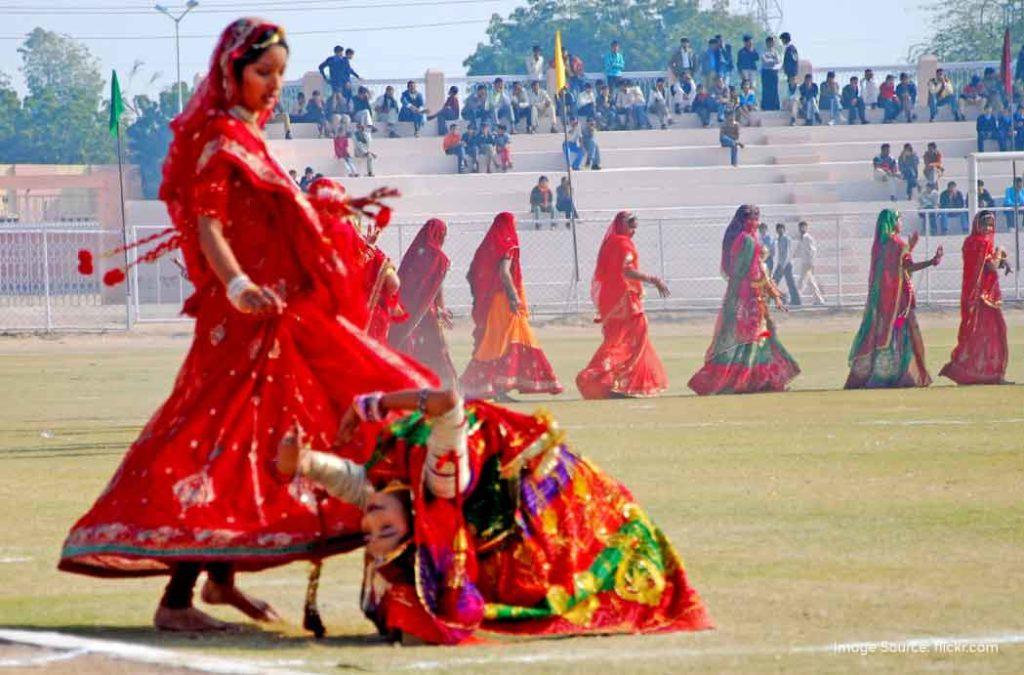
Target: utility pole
189,6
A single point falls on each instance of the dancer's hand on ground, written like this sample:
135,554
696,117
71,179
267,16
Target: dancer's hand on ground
261,301
347,428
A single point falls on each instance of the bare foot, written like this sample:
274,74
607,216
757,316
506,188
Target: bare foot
254,608
189,620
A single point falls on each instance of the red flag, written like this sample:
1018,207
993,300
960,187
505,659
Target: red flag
1007,66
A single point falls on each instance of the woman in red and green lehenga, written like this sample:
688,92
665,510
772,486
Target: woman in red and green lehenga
506,354
422,274
278,342
625,364
745,355
479,518
981,351
888,350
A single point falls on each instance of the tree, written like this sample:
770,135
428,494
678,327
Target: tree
648,30
970,30
61,119
10,110
149,136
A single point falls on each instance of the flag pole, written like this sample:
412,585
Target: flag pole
572,194
116,107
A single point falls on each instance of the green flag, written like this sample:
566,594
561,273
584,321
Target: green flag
116,105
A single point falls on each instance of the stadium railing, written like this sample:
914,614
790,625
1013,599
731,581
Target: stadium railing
41,289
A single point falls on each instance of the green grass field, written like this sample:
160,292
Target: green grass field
807,518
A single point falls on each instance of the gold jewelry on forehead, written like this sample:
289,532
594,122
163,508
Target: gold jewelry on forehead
276,37
396,486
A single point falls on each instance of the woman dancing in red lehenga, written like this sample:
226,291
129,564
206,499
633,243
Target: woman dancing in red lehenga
506,354
625,364
422,274
981,351
275,347
745,355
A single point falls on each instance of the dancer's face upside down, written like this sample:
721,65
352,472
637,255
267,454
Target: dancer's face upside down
385,523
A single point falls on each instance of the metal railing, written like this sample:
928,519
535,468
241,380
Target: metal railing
41,289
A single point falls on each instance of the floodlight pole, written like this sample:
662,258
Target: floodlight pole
189,6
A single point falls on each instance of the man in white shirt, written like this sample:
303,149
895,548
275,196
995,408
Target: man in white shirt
543,107
535,71
657,104
806,253
499,104
683,93
869,89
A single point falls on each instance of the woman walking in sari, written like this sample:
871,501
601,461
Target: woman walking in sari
275,347
745,355
506,355
888,350
981,351
422,275
625,364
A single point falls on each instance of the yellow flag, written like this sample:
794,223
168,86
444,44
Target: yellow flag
559,63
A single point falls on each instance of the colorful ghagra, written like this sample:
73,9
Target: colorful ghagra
506,354
626,363
745,355
422,274
981,351
543,542
888,350
199,484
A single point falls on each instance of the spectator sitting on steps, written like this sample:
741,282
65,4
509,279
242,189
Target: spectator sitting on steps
588,137
942,93
853,102
541,202
543,106
449,112
906,93
503,148
486,156
362,141
413,109
564,203
933,168
729,137
386,110
657,106
453,146
886,170
682,92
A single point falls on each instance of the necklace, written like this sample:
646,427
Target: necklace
245,115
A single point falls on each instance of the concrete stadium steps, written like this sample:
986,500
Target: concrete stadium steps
319,155
685,121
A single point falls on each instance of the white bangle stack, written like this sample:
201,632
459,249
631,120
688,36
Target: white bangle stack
237,286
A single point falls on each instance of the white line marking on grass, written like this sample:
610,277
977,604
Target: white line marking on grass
138,653
938,421
10,560
937,644
35,661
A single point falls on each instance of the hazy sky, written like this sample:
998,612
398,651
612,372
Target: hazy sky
829,32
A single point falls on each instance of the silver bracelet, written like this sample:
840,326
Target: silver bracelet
237,286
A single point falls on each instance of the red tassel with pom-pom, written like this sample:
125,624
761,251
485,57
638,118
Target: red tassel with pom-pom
113,277
85,266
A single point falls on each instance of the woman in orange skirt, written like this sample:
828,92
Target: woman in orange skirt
981,351
625,364
506,355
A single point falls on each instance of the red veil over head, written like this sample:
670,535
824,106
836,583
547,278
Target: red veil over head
609,283
421,273
501,241
979,282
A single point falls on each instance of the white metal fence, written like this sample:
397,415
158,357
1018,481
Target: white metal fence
41,289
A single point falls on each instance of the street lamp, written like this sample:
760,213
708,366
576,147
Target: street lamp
189,6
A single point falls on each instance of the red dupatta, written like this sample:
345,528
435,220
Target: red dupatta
747,281
980,284
500,242
618,250
421,273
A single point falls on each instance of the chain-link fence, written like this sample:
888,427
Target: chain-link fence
41,289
